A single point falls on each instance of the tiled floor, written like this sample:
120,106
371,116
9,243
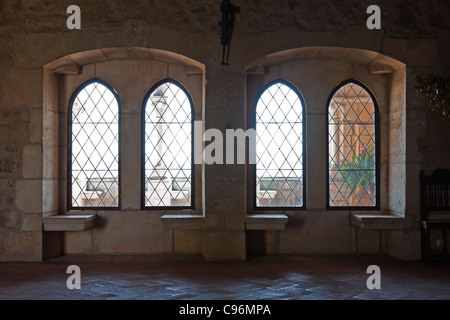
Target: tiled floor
258,278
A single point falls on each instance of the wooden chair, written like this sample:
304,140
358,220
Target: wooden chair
435,204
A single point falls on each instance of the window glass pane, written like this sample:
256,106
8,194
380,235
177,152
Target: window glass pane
94,147
168,147
279,148
351,148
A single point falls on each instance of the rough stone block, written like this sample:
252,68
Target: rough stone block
235,221
318,232
131,232
9,164
188,242
50,162
223,245
50,134
131,178
413,52
22,246
32,161
32,222
50,91
404,245
9,219
183,222
266,221
35,132
78,242
368,241
50,195
47,44
29,195
23,87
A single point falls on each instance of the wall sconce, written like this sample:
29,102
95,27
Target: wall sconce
227,25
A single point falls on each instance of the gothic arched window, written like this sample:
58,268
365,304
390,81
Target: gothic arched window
167,150
93,148
279,169
352,147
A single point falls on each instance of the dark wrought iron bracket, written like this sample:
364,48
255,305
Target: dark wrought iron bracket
227,25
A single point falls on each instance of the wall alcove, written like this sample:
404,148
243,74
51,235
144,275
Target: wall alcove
315,72
130,72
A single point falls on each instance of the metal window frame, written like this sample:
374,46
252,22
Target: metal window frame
254,178
143,141
376,207
81,87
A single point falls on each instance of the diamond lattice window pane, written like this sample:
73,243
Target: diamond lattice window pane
168,148
279,148
94,148
351,148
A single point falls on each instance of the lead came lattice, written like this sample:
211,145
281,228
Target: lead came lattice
352,148
94,148
168,148
279,148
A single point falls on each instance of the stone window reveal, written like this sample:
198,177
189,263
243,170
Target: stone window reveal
94,147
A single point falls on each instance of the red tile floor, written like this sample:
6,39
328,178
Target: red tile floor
258,278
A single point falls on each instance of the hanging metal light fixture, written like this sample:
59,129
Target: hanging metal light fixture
227,25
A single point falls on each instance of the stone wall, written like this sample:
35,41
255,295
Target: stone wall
33,34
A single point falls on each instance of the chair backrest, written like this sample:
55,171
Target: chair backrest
434,192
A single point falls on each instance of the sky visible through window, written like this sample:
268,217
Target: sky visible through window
279,147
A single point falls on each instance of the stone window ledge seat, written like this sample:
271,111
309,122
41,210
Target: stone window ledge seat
378,221
252,222
68,222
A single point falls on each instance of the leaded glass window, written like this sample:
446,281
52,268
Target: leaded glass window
167,148
352,147
279,148
93,147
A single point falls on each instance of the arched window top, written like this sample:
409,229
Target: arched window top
352,147
279,166
282,95
95,95
167,147
176,98
94,146
352,93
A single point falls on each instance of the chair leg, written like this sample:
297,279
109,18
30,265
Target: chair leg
423,241
427,244
444,244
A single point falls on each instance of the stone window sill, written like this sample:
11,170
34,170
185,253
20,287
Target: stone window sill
265,221
183,221
378,221
68,222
